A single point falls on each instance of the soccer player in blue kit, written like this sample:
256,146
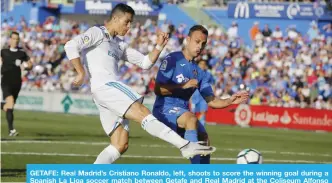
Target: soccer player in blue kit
177,79
198,103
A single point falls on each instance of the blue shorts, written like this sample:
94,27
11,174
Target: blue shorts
169,115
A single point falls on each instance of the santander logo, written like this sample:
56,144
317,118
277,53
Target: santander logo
285,118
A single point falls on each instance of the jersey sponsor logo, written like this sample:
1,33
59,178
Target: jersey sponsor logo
163,65
182,65
180,78
110,53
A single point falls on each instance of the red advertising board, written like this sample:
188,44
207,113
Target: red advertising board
273,117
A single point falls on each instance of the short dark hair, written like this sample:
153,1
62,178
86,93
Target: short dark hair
198,28
14,33
122,8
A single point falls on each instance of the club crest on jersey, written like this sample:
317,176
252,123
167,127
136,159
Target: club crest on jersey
163,65
86,39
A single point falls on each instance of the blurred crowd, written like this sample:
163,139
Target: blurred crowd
280,68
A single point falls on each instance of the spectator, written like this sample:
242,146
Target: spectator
266,31
288,71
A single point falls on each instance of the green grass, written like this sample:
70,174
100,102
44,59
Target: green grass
47,138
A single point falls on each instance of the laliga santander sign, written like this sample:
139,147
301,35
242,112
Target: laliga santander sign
274,117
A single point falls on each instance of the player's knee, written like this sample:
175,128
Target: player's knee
7,106
137,112
10,99
144,110
191,122
121,147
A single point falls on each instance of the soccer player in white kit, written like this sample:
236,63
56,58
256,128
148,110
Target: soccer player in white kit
101,50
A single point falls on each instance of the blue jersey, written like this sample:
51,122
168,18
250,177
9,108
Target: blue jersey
197,97
175,69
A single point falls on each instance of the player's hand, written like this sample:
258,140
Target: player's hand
193,83
79,79
162,38
240,97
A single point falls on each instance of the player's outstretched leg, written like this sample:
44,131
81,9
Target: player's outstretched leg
149,123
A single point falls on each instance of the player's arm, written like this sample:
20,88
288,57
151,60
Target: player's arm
217,103
207,92
28,63
91,37
237,98
168,89
164,83
146,61
212,82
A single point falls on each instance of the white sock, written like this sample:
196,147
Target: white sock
108,155
160,130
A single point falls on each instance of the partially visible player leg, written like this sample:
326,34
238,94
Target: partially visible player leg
202,134
141,114
117,129
201,117
203,137
120,137
9,109
201,108
10,95
118,146
189,122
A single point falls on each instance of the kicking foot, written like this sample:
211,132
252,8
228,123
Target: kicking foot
13,133
192,149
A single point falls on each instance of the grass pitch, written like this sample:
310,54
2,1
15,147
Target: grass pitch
47,138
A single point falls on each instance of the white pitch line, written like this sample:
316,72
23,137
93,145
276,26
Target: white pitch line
156,146
154,157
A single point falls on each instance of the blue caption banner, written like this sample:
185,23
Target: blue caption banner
160,173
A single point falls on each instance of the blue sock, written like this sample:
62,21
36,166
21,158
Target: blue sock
191,135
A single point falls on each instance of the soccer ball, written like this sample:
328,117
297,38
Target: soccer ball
249,156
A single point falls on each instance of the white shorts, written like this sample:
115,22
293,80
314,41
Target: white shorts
113,100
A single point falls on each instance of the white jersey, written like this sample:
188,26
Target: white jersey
101,54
